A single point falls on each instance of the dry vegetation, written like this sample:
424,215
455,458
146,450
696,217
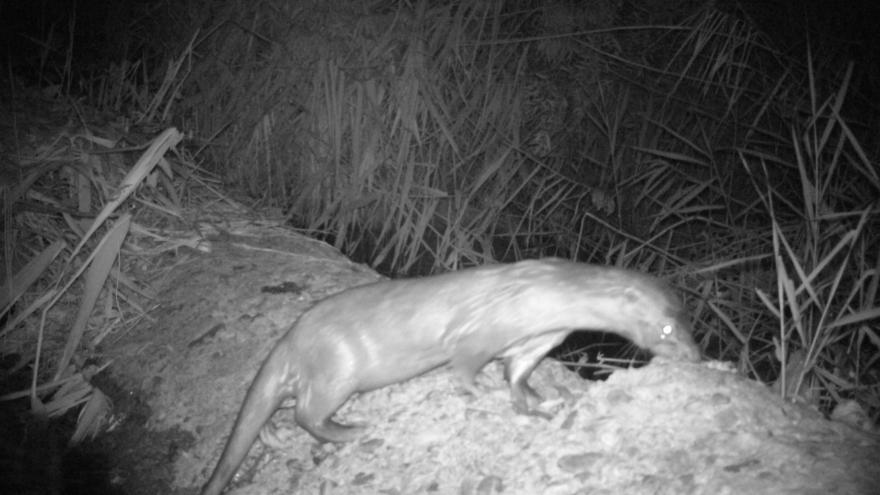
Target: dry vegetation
429,136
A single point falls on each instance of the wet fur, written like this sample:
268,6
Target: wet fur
375,335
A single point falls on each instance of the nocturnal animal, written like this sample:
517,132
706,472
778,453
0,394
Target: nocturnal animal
374,335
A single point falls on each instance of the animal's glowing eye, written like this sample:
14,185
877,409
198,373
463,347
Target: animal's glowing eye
666,331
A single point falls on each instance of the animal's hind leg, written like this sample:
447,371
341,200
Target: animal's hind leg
314,411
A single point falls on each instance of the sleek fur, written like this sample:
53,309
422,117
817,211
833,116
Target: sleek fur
371,336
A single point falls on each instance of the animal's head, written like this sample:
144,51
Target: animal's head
659,323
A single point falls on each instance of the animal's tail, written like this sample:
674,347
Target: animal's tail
272,385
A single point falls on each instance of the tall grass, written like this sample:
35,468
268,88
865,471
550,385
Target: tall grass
464,132
825,256
427,136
